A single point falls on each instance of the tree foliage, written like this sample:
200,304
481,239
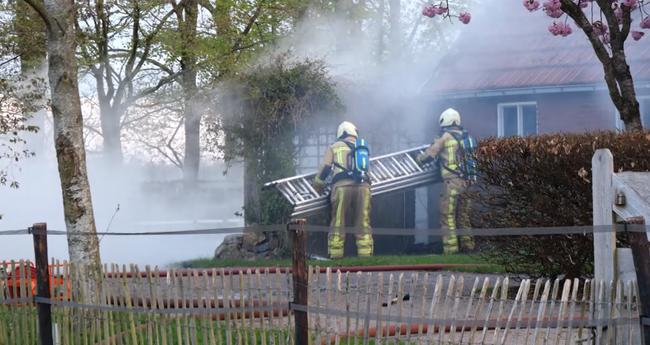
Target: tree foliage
263,108
203,43
20,94
120,49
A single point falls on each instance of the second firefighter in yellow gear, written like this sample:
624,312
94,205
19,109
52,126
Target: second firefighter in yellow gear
350,199
454,209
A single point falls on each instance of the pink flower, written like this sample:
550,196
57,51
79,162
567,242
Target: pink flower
560,29
440,9
433,10
552,8
465,17
637,35
552,4
429,11
555,13
632,4
645,23
599,28
531,5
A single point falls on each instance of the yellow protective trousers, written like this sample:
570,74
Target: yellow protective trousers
350,208
454,214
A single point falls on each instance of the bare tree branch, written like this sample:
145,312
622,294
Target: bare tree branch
94,130
158,64
249,26
179,158
162,82
42,12
627,23
575,12
9,60
177,163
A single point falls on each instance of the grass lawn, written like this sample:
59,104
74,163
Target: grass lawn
475,263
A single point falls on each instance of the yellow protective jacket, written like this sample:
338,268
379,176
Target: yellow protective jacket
335,157
445,148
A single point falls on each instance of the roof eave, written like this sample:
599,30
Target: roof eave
531,90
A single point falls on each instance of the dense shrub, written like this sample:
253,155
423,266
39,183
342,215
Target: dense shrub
262,110
546,181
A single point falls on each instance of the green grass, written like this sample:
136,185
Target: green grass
476,264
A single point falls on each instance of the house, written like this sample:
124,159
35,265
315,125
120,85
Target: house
507,75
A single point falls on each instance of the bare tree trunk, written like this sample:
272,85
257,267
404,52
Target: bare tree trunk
192,156
617,71
83,245
251,191
627,104
192,114
111,132
109,115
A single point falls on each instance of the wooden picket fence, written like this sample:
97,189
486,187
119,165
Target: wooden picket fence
153,307
433,308
251,306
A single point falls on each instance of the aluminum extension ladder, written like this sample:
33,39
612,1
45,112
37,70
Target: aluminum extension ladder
388,173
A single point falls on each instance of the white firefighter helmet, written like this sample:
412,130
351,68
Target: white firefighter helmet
450,117
345,129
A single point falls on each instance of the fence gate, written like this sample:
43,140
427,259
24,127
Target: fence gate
622,197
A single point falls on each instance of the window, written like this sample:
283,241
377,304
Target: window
311,148
644,108
517,119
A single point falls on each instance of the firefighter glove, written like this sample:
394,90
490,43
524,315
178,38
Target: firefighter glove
319,185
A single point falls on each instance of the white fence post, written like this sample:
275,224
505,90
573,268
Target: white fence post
602,166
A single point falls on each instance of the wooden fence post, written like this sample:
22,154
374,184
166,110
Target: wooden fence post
641,254
39,232
602,167
300,284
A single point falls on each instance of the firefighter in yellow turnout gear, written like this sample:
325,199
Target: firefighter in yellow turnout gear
454,209
350,198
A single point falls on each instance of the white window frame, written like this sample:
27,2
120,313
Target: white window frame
618,123
520,117
320,146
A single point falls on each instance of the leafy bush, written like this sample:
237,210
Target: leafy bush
262,109
546,181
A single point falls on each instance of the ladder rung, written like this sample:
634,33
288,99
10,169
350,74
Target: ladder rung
410,161
400,166
294,191
385,170
388,173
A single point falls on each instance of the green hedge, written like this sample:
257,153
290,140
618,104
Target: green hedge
546,181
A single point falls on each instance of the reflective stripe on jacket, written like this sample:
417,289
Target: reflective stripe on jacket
445,148
335,158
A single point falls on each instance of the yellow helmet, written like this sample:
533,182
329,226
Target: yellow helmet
449,117
345,129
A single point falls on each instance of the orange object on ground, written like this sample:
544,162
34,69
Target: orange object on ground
18,280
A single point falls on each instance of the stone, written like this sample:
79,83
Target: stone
251,246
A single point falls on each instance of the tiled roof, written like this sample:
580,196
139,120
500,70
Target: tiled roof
509,48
